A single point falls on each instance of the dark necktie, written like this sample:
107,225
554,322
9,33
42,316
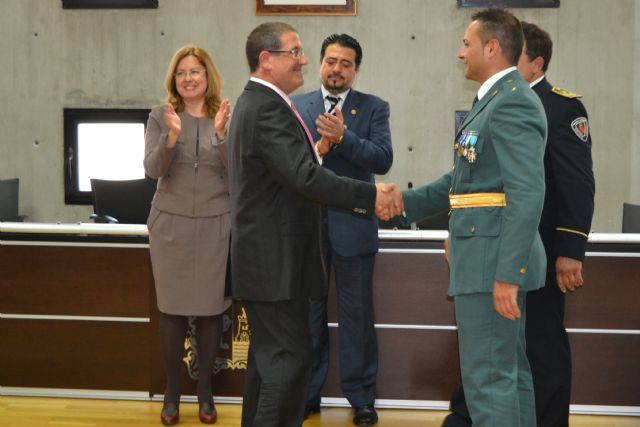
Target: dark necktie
475,101
333,101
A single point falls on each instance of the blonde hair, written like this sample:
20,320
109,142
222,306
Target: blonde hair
212,96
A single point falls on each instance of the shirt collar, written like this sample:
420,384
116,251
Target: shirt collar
484,88
274,87
536,81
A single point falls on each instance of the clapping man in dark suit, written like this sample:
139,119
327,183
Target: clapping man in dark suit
353,137
277,191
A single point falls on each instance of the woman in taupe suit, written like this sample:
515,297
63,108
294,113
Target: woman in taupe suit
189,219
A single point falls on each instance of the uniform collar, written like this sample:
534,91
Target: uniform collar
484,88
536,81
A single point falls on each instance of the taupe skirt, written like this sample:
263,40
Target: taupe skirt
189,260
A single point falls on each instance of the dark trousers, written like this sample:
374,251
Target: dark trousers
279,364
549,354
356,332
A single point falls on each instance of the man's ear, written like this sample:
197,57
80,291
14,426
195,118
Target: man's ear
264,59
493,47
538,63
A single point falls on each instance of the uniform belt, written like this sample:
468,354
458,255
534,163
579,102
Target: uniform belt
477,200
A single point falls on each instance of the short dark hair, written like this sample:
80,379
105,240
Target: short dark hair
344,40
537,43
264,37
502,25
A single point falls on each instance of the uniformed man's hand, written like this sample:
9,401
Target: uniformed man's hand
568,274
505,300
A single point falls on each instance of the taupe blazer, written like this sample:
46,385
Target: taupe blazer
192,176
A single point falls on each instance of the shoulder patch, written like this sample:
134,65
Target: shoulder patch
580,127
562,92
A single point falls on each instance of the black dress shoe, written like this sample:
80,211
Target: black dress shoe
170,414
207,413
310,410
365,416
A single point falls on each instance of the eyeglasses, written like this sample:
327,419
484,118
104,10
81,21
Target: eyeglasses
295,53
196,72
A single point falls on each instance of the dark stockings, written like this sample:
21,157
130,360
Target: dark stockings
173,330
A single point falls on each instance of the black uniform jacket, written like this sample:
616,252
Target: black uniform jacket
570,185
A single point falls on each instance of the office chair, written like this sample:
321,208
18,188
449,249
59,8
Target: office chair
9,200
630,218
124,202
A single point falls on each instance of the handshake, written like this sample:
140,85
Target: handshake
389,201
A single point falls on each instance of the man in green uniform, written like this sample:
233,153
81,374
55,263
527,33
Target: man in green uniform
495,193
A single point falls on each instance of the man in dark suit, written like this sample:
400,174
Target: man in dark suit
495,193
357,144
277,188
564,228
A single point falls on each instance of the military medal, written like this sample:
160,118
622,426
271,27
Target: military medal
465,147
471,155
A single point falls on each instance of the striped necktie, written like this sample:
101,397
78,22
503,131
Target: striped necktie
333,101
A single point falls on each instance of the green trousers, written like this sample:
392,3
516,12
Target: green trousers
495,372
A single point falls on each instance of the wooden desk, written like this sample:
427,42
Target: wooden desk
78,311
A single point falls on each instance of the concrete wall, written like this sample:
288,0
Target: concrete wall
53,58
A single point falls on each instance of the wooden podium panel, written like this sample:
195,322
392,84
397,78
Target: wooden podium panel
73,354
606,369
413,365
79,281
82,315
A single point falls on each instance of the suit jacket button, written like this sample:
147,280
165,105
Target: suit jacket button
472,230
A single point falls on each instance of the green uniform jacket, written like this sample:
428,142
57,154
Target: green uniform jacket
507,129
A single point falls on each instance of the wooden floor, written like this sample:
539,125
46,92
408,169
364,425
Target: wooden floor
59,412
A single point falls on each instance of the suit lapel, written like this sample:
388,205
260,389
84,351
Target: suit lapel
251,85
313,110
351,107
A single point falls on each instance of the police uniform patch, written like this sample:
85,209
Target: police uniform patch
580,127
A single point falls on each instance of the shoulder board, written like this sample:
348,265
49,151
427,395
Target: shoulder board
562,92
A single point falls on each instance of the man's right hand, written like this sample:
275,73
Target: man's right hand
389,201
